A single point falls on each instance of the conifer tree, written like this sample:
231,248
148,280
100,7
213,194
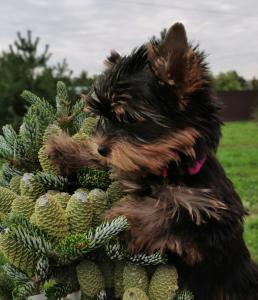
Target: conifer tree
53,234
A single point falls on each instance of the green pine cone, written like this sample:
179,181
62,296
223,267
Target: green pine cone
17,254
15,184
51,217
6,199
90,278
30,187
92,178
61,198
57,290
118,278
98,199
135,276
88,126
184,295
163,284
33,218
79,136
52,129
107,269
45,162
135,294
115,192
79,212
24,206
52,192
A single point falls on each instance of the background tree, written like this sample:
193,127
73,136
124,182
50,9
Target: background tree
229,81
22,66
254,83
82,83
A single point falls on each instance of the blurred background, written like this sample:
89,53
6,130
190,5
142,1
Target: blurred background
42,41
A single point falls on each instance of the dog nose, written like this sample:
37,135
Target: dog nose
102,150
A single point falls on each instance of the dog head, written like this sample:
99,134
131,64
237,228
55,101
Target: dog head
155,106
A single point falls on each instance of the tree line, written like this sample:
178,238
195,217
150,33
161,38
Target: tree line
24,66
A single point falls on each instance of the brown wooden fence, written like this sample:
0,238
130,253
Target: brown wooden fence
238,105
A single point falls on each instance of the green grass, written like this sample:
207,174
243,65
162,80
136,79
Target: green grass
238,153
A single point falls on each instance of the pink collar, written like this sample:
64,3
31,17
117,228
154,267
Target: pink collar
197,165
194,169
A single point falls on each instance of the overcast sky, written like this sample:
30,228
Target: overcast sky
84,31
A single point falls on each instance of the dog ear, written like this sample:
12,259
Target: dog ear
176,63
168,59
175,39
112,59
173,49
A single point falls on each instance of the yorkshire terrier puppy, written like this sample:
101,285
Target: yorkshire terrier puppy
159,129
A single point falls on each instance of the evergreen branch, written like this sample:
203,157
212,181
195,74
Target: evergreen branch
102,295
51,181
2,227
145,260
106,232
78,120
42,268
115,250
8,172
31,135
6,151
78,114
9,135
57,290
62,100
78,107
30,97
14,220
31,240
73,246
22,292
76,245
184,295
28,234
3,181
15,274
44,111
19,150
7,142
93,178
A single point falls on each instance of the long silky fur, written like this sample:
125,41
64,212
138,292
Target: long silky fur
69,154
150,218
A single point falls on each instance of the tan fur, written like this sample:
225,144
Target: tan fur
150,219
119,110
166,69
69,154
112,59
131,157
86,105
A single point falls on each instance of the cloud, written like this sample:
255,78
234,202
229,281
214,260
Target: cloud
84,31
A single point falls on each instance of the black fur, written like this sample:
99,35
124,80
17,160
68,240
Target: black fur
136,106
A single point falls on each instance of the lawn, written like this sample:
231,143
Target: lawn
238,153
